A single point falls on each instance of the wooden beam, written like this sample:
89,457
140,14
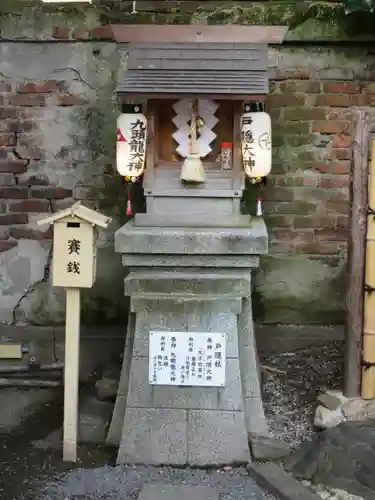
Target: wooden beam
234,33
356,257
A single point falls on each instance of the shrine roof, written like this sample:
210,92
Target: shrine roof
81,212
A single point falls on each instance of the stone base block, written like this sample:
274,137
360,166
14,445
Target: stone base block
159,436
154,436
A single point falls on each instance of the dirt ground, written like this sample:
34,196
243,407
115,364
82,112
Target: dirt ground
290,383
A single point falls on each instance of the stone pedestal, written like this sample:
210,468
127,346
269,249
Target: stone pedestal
189,280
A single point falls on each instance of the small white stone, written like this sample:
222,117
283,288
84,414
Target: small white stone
326,419
324,495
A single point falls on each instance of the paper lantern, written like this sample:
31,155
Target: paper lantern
131,144
256,144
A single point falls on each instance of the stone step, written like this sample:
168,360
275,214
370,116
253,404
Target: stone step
232,283
165,260
193,241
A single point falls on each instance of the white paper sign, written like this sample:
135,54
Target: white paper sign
256,144
187,359
131,144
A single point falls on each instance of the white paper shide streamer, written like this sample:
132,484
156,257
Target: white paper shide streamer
131,144
256,144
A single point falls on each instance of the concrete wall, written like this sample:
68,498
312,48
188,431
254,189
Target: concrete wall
57,114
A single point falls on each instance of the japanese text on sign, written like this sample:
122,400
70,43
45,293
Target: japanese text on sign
187,359
137,145
74,248
248,143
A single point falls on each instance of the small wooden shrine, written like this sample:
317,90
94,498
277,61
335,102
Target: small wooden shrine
194,125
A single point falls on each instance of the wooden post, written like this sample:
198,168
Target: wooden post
368,372
356,258
71,374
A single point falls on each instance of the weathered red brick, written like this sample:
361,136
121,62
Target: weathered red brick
7,139
331,235
102,33
71,100
341,88
13,166
80,34
344,114
5,87
17,127
318,248
286,99
27,100
279,220
7,245
307,156
328,182
13,193
315,221
339,195
39,87
339,208
4,233
296,207
341,154
6,113
331,127
344,167
30,234
50,193
302,114
292,235
13,219
342,141
343,221
292,74
290,180
34,180
30,206
29,153
292,86
281,194
7,179
341,100
280,247
61,32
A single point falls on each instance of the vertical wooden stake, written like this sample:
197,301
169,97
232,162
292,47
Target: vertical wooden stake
368,373
71,375
356,258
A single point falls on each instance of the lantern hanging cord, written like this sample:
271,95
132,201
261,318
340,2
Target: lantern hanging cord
369,289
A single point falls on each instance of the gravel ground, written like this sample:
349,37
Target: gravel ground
291,381
124,483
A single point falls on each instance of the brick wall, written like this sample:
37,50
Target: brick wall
25,188
313,92
307,195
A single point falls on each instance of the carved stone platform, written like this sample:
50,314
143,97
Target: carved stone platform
189,280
